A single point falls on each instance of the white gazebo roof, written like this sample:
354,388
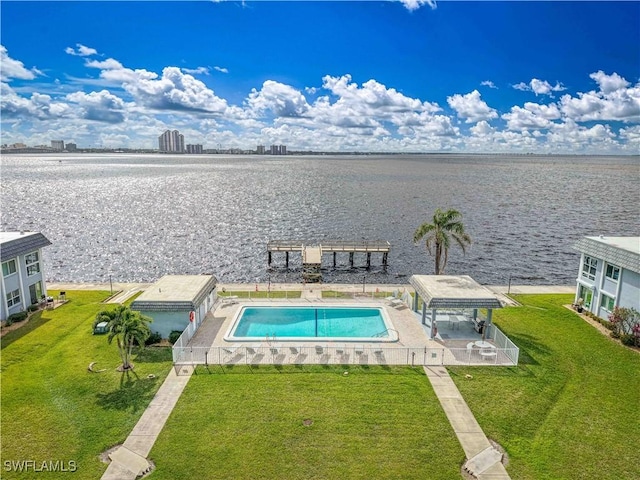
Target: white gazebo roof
453,291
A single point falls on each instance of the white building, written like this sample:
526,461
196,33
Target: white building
609,274
171,141
57,144
195,149
22,271
172,299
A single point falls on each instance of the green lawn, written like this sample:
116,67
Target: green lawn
52,407
570,410
374,423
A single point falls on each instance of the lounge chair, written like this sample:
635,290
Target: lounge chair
294,350
319,350
394,296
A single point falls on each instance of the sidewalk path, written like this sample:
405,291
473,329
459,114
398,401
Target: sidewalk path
483,460
130,460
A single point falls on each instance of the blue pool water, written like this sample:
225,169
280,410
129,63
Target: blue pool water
311,322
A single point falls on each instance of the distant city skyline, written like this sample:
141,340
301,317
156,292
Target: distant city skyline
407,76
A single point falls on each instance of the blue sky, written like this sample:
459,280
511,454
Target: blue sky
542,77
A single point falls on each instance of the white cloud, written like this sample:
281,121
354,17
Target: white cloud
10,68
283,100
539,87
221,69
174,90
609,83
471,107
371,96
81,51
482,129
488,83
549,112
99,106
197,71
571,136
412,5
525,119
614,101
37,106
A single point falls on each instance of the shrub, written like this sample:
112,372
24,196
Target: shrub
174,335
17,317
628,339
33,308
155,337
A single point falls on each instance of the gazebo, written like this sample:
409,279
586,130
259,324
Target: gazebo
447,293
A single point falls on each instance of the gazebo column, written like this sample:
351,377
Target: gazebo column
433,324
489,315
475,314
415,302
424,313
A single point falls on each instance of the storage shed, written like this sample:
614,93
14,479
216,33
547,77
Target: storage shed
176,302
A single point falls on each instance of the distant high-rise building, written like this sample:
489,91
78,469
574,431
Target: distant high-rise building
71,147
278,150
57,144
171,141
194,148
260,150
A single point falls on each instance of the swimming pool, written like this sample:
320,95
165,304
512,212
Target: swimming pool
312,323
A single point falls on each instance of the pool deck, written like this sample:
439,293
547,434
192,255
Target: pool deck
215,326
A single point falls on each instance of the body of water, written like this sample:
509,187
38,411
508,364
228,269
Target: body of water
138,217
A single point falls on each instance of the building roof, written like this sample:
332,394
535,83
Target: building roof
453,291
620,251
13,244
176,293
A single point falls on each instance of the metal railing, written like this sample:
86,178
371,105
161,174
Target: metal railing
280,354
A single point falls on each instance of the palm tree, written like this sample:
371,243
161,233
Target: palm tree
128,327
439,233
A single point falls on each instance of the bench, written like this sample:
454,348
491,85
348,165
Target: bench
488,353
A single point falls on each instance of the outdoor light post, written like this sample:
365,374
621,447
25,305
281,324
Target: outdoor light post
110,284
364,279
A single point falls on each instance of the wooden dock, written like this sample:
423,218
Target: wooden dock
312,254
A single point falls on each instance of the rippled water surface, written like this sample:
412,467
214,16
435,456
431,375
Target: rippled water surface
138,217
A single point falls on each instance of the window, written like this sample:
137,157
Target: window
589,267
612,272
8,268
607,303
13,298
33,263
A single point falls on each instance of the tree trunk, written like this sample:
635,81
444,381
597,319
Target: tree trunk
438,254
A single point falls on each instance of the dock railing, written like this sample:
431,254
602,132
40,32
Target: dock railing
330,245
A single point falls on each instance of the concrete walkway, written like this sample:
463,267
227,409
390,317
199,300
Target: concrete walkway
130,460
483,460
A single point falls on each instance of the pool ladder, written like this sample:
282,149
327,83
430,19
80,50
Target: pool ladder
384,332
